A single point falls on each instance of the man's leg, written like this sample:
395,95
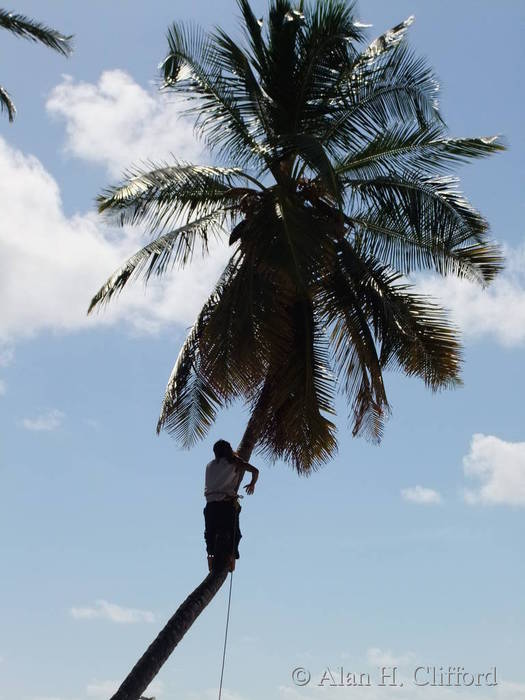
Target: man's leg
226,535
238,534
210,532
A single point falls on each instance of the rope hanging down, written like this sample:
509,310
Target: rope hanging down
226,634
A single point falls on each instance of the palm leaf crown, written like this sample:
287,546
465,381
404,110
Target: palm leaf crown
332,182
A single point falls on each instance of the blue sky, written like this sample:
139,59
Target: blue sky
406,554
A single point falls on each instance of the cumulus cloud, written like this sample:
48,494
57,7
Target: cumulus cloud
420,494
105,689
497,312
381,657
52,264
49,697
117,122
110,611
45,422
499,467
505,690
6,354
211,694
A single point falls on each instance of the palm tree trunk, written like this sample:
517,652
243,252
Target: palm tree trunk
160,649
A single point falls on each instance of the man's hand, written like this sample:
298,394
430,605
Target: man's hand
249,488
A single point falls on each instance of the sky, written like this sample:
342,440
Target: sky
408,554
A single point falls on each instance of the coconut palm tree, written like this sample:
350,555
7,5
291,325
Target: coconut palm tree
35,31
331,181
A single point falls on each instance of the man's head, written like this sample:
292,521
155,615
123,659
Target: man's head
222,448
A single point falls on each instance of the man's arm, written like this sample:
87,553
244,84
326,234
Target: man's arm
245,467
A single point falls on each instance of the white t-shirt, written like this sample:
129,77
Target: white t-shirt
221,480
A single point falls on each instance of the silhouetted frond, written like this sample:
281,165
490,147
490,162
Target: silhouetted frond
36,31
7,103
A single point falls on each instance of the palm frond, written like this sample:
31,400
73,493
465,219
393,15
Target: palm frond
158,256
354,351
413,332
7,104
253,31
161,196
234,64
325,49
425,221
312,154
190,402
190,69
397,87
407,147
36,31
386,41
295,426
242,329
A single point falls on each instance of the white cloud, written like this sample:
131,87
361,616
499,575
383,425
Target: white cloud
500,468
420,494
497,312
52,264
110,611
48,697
380,657
105,689
505,690
211,694
116,122
51,420
6,354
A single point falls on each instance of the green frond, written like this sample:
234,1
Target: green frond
253,31
36,31
387,236
312,155
295,426
190,401
243,327
412,331
190,68
386,41
155,258
428,219
354,352
190,404
396,87
162,196
407,147
7,104
326,48
253,103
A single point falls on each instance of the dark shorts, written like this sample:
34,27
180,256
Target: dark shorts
221,528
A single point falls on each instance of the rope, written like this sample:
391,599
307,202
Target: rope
226,634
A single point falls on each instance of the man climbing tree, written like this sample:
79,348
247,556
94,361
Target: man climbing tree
222,533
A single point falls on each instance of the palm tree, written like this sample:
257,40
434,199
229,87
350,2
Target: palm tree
331,179
35,31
